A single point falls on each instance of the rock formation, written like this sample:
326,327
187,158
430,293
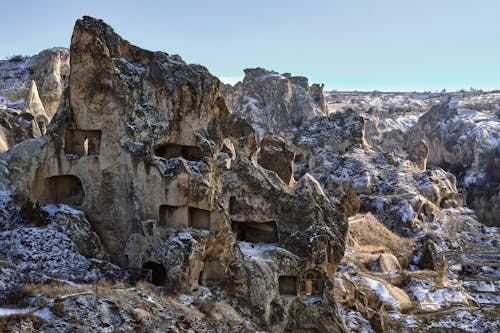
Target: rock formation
218,227
275,102
49,69
30,92
402,243
466,143
406,235
144,145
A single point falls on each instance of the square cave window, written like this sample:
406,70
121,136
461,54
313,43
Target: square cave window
312,285
288,285
82,142
253,232
184,216
64,189
199,218
173,216
191,153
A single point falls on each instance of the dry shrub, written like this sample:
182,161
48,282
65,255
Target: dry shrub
8,323
53,289
58,308
136,316
207,307
17,58
350,204
145,286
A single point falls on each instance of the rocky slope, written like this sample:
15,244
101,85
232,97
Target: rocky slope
467,143
402,270
410,229
144,166
457,131
275,102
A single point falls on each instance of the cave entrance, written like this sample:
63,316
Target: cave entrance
191,153
198,218
82,142
265,232
288,285
312,284
173,216
212,273
299,158
184,216
64,189
154,273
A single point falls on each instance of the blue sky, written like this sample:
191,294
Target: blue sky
345,44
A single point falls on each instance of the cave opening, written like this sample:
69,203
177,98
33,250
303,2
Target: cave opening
190,153
198,218
184,216
154,273
253,232
288,285
82,142
212,273
173,216
64,189
312,284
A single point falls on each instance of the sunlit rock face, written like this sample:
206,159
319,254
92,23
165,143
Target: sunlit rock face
275,102
49,70
170,180
30,92
466,143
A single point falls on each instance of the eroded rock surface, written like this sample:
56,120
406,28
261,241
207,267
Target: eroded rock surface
170,181
275,102
30,93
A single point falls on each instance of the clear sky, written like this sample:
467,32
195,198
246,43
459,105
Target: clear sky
345,44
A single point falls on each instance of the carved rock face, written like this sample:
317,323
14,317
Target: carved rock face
144,144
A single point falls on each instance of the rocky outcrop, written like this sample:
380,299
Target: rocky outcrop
17,126
49,70
404,237
275,102
464,142
276,156
173,185
30,92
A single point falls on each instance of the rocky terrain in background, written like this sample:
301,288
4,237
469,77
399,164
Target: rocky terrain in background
146,207
30,92
417,257
457,131
275,102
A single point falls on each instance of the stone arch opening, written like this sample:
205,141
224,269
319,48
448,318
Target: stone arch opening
190,153
288,285
253,232
312,284
82,142
64,189
154,273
